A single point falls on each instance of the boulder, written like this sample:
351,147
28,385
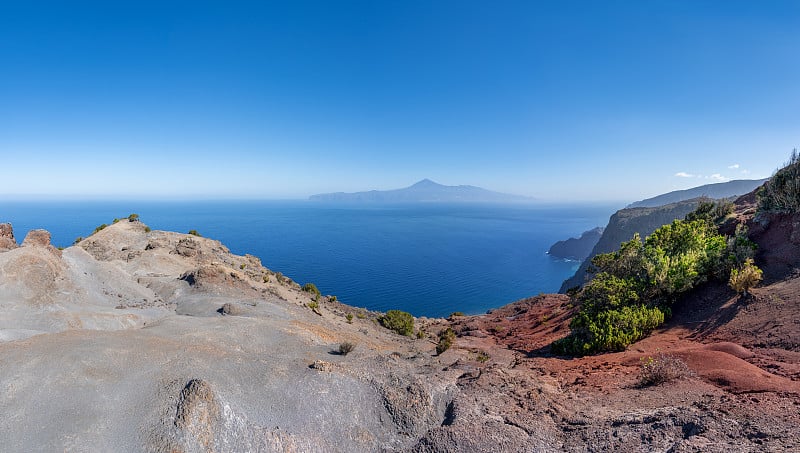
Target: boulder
37,238
7,241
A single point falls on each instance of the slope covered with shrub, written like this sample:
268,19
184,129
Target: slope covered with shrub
634,287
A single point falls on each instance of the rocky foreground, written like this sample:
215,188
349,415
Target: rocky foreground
139,340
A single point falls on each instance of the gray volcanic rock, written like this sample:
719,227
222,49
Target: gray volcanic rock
424,191
7,241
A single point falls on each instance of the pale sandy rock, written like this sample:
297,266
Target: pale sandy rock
7,241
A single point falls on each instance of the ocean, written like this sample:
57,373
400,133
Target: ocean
427,259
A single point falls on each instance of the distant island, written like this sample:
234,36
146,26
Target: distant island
425,191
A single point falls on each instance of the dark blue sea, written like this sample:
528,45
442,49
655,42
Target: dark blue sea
428,259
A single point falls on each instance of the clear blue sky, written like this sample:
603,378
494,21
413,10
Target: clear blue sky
612,100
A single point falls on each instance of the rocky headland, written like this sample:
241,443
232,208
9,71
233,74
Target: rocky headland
139,340
579,248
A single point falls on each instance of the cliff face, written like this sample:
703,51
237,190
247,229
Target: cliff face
623,225
577,248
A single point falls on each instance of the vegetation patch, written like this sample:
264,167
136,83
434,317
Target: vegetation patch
634,287
781,194
400,322
446,338
745,277
311,288
194,233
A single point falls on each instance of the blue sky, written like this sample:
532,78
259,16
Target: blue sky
613,100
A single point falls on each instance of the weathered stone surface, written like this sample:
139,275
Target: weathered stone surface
37,238
7,241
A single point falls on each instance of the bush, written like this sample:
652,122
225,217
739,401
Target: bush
349,318
608,330
346,348
713,212
147,229
456,314
311,288
482,356
745,277
635,286
194,233
446,338
77,239
400,322
663,368
133,218
781,193
100,228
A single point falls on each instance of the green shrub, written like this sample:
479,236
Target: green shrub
332,298
100,228
399,321
446,338
133,218
745,277
313,305
77,239
456,314
311,288
781,194
635,286
265,278
361,315
713,212
115,221
610,330
349,318
147,229
242,266
194,233
346,348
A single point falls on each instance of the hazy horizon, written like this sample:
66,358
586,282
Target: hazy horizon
563,102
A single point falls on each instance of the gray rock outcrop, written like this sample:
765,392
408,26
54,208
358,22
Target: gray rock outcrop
7,241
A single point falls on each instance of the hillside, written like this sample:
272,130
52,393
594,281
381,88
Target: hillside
159,341
622,225
425,191
718,190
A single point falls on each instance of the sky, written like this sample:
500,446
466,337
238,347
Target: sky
559,100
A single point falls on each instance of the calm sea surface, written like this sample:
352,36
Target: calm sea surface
430,260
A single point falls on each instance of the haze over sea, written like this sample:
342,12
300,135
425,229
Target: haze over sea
428,259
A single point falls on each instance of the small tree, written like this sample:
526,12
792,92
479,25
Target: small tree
744,278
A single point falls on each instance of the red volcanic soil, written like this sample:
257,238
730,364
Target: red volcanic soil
743,354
